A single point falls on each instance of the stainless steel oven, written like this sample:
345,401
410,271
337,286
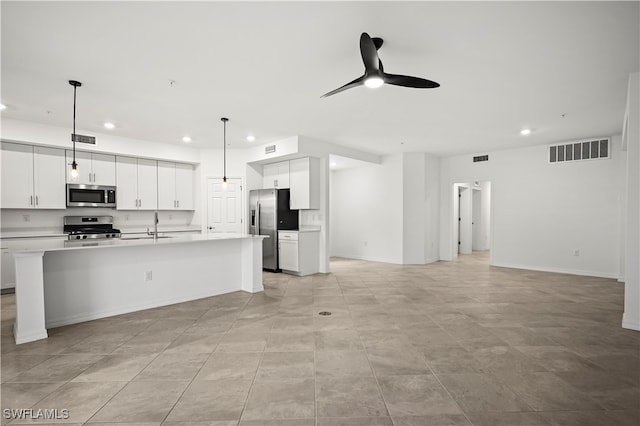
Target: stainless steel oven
90,195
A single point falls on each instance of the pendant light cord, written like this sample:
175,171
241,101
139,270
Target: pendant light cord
74,124
224,149
75,85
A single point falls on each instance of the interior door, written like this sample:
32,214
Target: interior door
224,206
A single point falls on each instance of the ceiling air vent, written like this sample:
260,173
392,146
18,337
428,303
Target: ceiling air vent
591,149
90,140
478,158
270,149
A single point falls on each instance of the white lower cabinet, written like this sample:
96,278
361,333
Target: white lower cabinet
298,252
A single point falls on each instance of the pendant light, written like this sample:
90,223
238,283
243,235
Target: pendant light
224,151
74,165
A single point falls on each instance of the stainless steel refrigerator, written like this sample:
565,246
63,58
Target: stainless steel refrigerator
269,212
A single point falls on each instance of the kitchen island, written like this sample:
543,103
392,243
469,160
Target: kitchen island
75,281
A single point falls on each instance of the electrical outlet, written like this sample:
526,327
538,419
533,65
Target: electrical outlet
365,243
126,217
26,218
148,275
170,217
576,252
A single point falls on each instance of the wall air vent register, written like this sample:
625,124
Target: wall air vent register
592,149
91,140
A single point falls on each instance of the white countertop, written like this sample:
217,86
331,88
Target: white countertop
35,233
53,233
129,242
302,229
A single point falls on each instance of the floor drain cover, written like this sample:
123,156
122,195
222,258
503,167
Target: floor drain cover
324,313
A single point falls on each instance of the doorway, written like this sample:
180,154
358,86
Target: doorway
471,217
224,206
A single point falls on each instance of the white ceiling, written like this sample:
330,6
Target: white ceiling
502,66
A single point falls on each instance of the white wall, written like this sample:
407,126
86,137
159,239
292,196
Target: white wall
543,212
366,211
485,216
413,208
432,208
631,317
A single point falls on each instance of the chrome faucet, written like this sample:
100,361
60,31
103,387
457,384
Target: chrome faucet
155,226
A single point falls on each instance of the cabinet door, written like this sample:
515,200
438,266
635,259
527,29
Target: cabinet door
288,255
147,184
270,176
85,172
166,186
103,169
305,183
17,176
283,175
49,178
184,186
126,183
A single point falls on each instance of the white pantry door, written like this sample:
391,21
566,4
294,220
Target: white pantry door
224,206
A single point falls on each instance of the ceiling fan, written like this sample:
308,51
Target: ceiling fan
374,75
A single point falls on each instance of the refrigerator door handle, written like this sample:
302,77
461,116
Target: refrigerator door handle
258,219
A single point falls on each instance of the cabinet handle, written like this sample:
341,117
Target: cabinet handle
178,201
31,200
140,202
275,183
36,200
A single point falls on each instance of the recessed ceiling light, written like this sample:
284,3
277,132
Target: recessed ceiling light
525,132
373,82
109,125
251,138
186,139
3,106
333,164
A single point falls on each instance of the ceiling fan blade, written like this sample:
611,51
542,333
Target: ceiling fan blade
369,53
357,82
408,81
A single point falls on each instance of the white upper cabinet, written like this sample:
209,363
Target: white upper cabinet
305,183
32,177
93,168
276,175
137,184
184,186
175,186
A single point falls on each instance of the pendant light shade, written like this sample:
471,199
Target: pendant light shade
224,151
74,165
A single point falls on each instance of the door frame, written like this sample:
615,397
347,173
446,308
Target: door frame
205,222
453,222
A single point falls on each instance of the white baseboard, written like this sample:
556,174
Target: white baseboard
556,270
630,324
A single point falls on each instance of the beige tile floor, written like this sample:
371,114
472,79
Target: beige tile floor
451,343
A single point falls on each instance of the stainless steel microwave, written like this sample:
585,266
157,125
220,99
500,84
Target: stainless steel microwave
90,195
